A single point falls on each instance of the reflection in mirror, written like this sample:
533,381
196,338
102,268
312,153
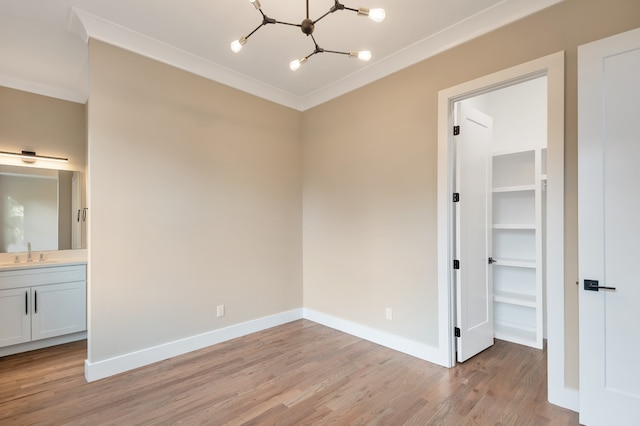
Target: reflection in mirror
39,206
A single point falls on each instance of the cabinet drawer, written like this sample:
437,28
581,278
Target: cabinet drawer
42,276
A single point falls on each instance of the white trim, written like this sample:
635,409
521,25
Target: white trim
100,29
76,96
503,13
87,25
101,369
400,344
553,67
45,343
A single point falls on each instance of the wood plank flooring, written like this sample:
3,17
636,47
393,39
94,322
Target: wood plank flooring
299,373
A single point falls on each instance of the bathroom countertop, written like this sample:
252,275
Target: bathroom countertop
11,266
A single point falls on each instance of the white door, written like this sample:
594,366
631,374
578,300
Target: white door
474,293
609,229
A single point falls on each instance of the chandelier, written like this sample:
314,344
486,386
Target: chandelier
307,26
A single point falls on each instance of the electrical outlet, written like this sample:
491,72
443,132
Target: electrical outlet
389,314
220,311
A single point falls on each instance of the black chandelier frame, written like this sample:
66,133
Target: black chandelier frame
307,26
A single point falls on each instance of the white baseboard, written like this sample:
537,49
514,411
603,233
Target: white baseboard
101,369
400,344
39,344
120,364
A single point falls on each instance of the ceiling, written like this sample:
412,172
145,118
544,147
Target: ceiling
43,43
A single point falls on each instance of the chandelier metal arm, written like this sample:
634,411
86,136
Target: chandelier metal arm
266,20
319,49
329,12
257,28
335,51
287,23
337,6
307,27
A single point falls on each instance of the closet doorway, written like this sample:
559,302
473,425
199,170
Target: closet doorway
551,66
500,147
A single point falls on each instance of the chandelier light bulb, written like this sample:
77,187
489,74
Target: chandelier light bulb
236,45
363,55
294,65
376,15
307,27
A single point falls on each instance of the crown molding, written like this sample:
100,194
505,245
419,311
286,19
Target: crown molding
86,25
76,96
100,29
501,14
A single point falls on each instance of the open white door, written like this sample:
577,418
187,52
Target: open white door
609,230
473,232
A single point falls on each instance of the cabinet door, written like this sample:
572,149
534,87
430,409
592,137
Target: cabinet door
58,309
15,316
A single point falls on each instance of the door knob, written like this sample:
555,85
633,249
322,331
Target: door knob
592,285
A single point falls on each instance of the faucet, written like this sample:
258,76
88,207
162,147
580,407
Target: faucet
29,259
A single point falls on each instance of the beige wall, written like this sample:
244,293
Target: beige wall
195,193
42,124
370,175
196,188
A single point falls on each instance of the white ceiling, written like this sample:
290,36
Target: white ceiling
43,45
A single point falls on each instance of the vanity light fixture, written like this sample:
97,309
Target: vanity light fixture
307,26
32,157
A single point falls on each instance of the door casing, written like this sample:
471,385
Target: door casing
553,67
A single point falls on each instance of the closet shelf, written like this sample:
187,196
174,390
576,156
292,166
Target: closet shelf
516,188
530,226
517,151
515,298
516,263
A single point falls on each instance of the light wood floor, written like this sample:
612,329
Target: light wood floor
299,373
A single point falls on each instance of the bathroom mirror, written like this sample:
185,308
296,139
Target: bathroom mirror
44,207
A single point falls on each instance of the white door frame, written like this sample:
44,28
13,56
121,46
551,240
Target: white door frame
553,67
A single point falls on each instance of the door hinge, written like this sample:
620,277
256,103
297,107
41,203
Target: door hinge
456,130
456,264
456,197
456,331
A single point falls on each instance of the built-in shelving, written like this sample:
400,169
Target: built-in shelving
515,298
514,226
518,184
515,188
